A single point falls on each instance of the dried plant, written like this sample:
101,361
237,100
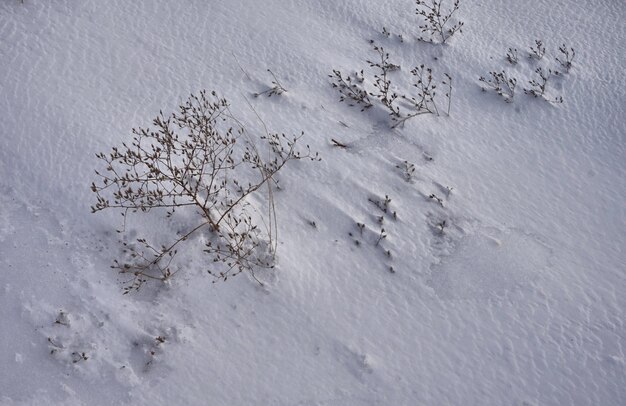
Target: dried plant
408,169
276,89
367,236
511,56
538,86
436,198
424,100
351,89
400,106
501,83
382,83
449,93
505,86
566,58
381,237
437,22
202,160
538,51
383,205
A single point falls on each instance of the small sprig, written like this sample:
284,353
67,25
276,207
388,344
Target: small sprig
338,144
566,58
361,227
538,51
501,83
448,95
511,56
436,198
408,169
351,90
382,83
382,205
381,236
538,86
436,21
424,100
79,356
276,89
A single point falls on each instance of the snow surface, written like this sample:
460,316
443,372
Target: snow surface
520,301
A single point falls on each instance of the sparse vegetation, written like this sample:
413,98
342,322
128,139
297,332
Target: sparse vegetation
351,89
436,198
538,51
501,83
408,169
511,56
338,144
424,100
538,86
381,236
504,85
200,161
382,83
566,58
437,21
382,204
400,107
276,89
375,235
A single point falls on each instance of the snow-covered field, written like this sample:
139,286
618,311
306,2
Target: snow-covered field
520,300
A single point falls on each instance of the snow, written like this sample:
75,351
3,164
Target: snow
519,301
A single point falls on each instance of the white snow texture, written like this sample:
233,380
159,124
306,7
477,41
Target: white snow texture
518,299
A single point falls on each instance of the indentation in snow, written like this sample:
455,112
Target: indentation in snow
489,262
